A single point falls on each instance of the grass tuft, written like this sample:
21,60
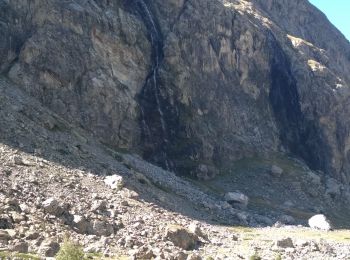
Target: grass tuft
70,251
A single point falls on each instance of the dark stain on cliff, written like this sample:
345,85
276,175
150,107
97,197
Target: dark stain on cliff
302,136
158,115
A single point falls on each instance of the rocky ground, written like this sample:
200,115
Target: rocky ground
56,181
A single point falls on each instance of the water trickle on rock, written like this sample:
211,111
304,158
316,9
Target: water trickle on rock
153,123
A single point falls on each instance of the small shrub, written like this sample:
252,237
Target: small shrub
70,251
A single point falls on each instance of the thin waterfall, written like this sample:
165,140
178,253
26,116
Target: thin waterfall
151,93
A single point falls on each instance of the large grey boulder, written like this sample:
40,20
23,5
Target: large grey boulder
285,243
237,199
320,221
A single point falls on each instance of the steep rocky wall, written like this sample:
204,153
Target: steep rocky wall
84,60
232,78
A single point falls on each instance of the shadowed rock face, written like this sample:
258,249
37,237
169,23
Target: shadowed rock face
159,120
191,85
302,136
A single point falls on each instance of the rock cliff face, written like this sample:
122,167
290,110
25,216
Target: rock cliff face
190,84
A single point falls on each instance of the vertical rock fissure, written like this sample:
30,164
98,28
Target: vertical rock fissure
153,123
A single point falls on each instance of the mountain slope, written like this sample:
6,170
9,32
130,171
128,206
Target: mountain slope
53,185
190,85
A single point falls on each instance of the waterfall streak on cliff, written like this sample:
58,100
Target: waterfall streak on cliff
152,82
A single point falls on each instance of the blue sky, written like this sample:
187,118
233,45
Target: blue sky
337,11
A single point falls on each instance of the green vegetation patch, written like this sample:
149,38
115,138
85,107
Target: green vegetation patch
22,256
70,251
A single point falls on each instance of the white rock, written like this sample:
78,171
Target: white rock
320,222
114,181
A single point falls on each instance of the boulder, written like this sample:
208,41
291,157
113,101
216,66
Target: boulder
286,219
18,160
32,235
20,247
102,228
276,171
52,207
285,243
17,218
99,205
93,248
5,222
194,257
143,252
181,237
13,203
242,217
115,182
263,220
237,199
181,256
314,178
320,221
195,229
81,224
49,248
4,235
205,172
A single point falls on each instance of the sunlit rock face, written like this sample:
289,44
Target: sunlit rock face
192,85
